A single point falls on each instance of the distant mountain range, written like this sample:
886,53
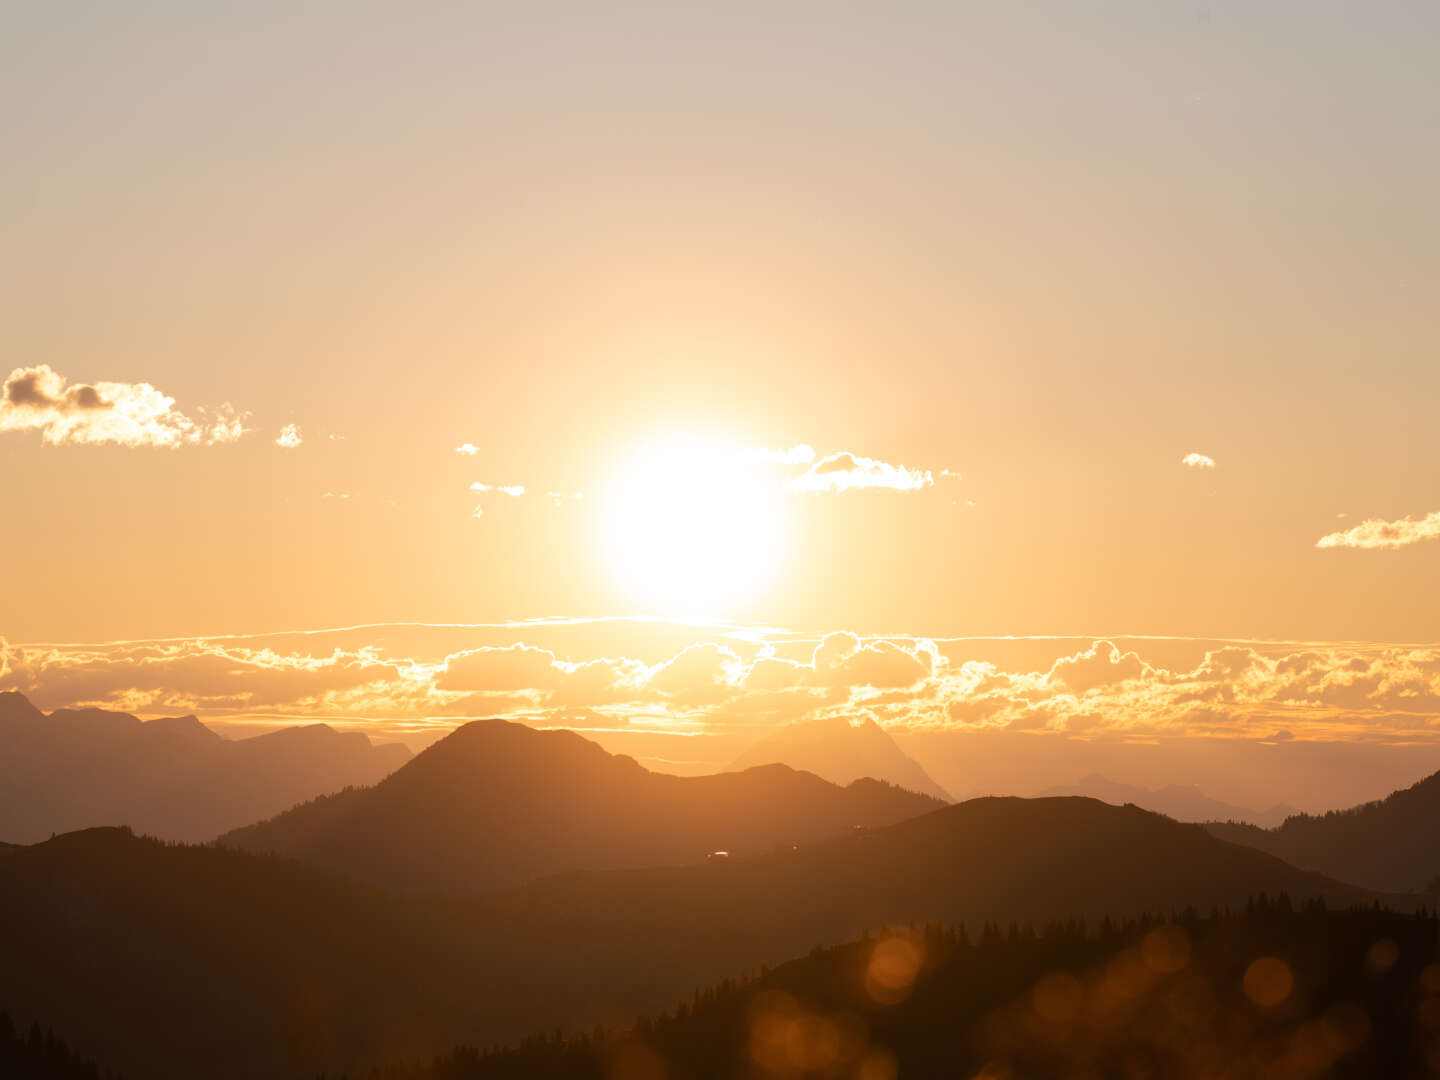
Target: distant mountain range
175,961
1389,844
497,803
1183,802
841,752
173,777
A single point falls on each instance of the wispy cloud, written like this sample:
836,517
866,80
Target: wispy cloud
289,437
125,414
1378,533
468,449
514,490
850,472
1197,460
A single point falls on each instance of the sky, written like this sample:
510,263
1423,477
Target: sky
922,323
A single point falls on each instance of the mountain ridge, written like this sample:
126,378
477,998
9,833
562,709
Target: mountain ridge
497,803
172,776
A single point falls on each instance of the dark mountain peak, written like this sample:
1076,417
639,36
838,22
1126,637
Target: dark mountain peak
498,803
494,747
101,721
187,727
15,707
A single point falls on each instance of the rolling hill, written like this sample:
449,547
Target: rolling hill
497,803
248,965
1389,844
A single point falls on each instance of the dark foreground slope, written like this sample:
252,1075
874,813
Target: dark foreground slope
1271,992
171,777
497,803
172,961
1390,844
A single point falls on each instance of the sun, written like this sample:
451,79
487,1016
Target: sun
694,528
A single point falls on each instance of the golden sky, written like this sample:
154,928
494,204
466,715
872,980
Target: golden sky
918,322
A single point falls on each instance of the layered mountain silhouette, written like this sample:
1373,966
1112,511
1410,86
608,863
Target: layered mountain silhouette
175,961
1389,844
1183,802
833,748
497,803
171,777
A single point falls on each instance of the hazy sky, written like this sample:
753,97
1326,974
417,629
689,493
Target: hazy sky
911,319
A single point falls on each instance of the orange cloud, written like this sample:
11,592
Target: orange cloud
125,414
1377,533
850,472
1332,691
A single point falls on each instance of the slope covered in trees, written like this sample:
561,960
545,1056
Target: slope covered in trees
39,1054
1389,844
1268,991
496,803
248,965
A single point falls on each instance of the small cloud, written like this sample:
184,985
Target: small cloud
563,497
336,495
468,449
289,437
1378,533
127,414
847,472
513,490
1195,460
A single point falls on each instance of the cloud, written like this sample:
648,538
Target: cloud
1103,664
126,414
467,449
513,490
1377,533
846,472
1196,460
1102,690
289,437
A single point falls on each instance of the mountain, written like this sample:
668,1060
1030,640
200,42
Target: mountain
177,961
1147,998
1183,802
1389,844
497,803
172,777
841,752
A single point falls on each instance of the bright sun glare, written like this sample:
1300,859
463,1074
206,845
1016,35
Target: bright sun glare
694,528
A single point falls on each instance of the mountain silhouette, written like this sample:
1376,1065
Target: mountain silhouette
1388,844
171,777
841,752
1183,802
497,803
181,961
